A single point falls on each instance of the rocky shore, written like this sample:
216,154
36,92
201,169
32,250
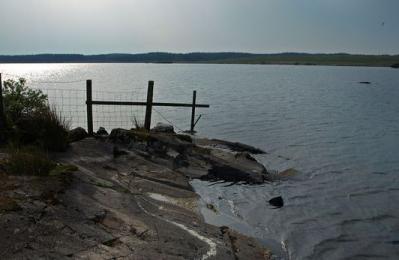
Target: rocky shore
126,195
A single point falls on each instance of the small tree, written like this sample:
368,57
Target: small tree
20,100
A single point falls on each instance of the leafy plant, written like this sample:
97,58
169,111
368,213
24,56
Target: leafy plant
20,100
30,120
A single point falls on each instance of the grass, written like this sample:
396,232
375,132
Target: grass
8,204
28,161
138,125
61,169
44,128
32,161
54,130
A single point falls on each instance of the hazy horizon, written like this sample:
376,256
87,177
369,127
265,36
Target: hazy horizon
149,52
185,26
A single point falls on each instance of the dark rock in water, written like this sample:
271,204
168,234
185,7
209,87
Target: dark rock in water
163,128
77,134
395,66
102,131
231,174
238,147
278,202
364,82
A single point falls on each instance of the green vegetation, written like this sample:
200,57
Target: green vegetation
61,169
338,59
48,128
19,100
30,121
32,130
8,204
28,161
138,125
33,161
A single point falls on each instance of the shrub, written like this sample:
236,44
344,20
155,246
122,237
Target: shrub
45,128
20,100
53,132
30,120
28,161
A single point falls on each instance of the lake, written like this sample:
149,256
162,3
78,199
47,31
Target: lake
341,136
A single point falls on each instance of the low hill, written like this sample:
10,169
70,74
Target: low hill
339,59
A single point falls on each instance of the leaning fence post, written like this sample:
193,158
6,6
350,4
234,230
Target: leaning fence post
148,110
193,112
89,107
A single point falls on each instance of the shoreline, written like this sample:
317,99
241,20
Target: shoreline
391,66
131,191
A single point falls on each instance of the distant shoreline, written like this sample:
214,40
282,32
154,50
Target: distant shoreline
340,59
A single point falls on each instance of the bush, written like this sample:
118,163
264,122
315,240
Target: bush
45,128
30,120
53,132
28,161
20,100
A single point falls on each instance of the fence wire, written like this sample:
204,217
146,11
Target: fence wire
68,98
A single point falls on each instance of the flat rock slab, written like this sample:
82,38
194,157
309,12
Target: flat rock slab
134,206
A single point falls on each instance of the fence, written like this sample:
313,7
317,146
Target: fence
88,107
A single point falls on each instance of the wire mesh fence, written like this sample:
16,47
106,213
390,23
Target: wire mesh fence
114,116
68,98
71,104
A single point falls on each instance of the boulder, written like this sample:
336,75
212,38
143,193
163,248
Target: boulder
395,66
278,202
120,135
163,128
101,131
129,137
77,134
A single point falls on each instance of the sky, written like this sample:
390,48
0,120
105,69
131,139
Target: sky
257,26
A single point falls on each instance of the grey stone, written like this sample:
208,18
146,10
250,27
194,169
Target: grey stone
102,131
77,134
163,128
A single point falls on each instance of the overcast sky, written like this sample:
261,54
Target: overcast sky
261,26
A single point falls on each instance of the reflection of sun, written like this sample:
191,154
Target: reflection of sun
35,71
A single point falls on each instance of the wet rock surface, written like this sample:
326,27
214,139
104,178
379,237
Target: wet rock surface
137,205
233,146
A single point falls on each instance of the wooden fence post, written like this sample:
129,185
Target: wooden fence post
2,115
193,112
89,107
148,110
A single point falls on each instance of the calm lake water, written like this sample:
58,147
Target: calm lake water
341,136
